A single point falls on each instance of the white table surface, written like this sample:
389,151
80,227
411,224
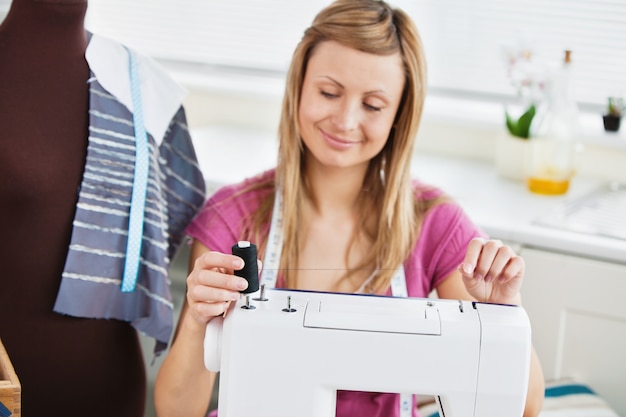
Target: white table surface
507,210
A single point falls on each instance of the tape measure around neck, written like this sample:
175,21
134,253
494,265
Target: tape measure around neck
271,260
140,182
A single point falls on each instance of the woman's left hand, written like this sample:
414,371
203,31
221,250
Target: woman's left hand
492,272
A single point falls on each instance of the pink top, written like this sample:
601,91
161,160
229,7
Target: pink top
446,232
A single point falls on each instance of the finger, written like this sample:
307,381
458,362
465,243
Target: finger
502,258
206,311
486,259
210,260
472,255
216,269
219,279
214,291
514,269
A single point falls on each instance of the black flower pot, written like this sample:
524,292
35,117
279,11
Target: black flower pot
611,122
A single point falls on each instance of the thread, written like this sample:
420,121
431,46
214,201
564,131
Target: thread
250,272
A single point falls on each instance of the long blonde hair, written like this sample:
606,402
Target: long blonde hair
373,27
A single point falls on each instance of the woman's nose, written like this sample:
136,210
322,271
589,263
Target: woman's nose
347,116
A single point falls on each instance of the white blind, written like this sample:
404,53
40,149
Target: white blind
233,33
463,39
464,42
4,8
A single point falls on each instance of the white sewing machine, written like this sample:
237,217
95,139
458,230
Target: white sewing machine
287,355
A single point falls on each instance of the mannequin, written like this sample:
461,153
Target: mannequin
70,366
67,365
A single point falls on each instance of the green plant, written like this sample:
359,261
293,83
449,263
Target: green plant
615,106
521,127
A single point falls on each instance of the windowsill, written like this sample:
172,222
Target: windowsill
489,115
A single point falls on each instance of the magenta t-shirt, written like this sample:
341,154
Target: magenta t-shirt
446,232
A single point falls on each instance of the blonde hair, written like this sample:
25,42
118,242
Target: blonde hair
373,27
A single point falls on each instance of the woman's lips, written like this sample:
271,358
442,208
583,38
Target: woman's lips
337,142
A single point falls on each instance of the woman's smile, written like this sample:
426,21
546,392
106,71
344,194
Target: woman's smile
338,142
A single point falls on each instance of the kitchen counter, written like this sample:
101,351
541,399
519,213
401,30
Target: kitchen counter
505,209
502,208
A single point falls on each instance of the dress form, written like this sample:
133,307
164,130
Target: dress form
66,365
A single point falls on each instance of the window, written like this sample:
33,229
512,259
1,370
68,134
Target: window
4,8
236,34
464,40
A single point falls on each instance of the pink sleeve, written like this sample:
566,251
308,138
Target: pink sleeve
445,234
219,224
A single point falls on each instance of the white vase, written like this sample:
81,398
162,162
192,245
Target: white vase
511,155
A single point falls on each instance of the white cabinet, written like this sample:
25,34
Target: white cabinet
577,307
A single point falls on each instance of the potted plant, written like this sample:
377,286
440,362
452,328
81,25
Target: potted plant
520,127
527,76
512,145
613,115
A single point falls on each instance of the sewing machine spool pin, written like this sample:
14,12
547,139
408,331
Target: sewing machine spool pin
261,296
247,305
289,309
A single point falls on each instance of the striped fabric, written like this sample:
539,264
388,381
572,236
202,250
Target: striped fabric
568,398
564,398
90,285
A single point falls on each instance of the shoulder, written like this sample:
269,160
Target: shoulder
435,202
445,225
426,192
445,231
444,216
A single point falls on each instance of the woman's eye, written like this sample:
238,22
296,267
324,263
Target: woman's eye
327,94
370,107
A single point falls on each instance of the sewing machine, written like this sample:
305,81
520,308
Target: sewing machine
285,353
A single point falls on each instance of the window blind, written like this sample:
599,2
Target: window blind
464,41
248,34
4,8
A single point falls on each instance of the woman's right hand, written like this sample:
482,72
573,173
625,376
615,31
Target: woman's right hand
212,285
183,385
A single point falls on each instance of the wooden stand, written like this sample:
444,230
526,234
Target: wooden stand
10,388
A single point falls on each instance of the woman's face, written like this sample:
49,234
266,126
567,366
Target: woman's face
348,104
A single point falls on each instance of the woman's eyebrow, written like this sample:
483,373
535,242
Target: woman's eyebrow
329,78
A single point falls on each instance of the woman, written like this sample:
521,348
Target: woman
340,203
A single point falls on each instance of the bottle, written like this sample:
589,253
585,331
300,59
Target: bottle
554,131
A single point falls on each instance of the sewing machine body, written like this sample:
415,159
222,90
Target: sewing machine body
274,362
